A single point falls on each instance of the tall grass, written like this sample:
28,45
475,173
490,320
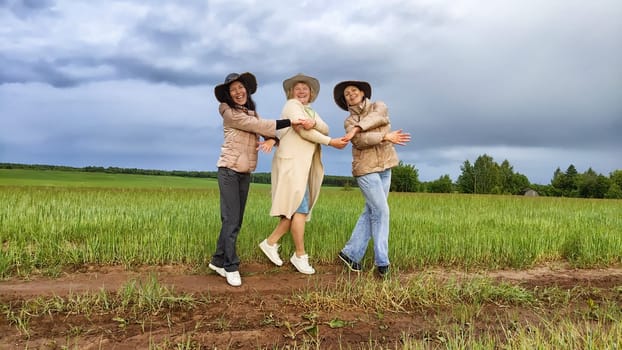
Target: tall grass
504,231
50,227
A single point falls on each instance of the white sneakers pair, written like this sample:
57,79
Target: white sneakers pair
233,278
301,263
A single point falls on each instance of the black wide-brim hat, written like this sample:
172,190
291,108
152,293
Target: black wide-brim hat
247,79
338,91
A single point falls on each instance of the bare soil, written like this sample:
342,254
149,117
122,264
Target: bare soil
260,313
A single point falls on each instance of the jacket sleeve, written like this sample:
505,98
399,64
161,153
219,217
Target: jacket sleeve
319,134
373,127
242,121
378,116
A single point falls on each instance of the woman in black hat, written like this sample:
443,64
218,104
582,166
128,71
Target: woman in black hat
373,155
242,127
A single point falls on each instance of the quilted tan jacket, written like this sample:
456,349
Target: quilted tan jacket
241,136
370,153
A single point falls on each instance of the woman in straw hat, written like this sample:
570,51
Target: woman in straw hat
373,156
297,170
238,158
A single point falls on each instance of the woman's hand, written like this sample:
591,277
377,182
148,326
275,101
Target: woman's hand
339,143
266,146
355,130
303,123
308,123
397,137
296,122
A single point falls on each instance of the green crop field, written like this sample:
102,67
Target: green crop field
50,220
54,222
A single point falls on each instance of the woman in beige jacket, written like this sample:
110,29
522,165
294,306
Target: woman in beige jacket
297,170
373,157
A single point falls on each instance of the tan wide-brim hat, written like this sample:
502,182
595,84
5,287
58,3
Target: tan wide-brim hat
247,79
313,83
339,88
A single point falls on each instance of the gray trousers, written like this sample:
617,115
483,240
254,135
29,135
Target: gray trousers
233,194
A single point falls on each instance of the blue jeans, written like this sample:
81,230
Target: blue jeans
374,221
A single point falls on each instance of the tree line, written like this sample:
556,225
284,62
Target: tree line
329,180
484,176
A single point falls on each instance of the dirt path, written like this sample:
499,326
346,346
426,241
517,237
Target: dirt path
264,279
253,315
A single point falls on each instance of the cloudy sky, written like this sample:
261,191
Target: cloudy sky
130,83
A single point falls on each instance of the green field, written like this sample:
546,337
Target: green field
50,220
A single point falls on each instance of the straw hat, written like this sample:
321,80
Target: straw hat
313,83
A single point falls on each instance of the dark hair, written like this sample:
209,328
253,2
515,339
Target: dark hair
250,104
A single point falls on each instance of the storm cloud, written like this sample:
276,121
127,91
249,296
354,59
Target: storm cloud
130,83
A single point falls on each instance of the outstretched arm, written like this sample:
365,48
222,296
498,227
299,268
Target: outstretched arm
397,137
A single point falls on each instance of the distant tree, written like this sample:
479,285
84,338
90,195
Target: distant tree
616,177
571,178
566,183
521,182
544,190
338,181
404,178
557,182
466,180
592,185
614,191
442,185
511,182
483,176
487,175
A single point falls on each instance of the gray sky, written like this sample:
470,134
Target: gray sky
130,83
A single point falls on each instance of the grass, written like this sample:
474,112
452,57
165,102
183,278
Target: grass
449,314
57,178
52,220
48,228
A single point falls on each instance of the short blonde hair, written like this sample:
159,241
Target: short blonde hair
290,92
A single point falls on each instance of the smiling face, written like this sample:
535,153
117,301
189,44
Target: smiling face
353,95
237,91
302,92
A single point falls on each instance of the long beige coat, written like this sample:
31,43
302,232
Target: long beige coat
297,162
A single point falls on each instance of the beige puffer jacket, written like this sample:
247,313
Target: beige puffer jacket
241,136
370,153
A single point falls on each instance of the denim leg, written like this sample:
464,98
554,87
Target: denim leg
380,231
234,188
374,221
359,239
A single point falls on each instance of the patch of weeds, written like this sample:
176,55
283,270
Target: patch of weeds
269,320
338,323
222,322
466,313
19,319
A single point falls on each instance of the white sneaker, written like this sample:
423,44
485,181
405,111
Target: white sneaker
219,270
271,251
302,264
233,278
